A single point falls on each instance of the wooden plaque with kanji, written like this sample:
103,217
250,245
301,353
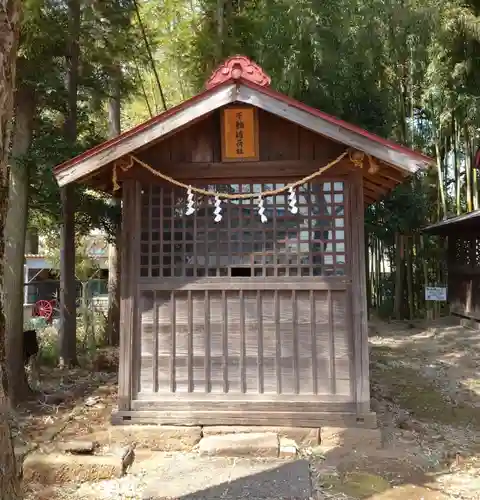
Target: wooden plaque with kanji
239,134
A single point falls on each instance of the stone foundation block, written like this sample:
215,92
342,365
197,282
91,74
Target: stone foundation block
302,436
57,468
240,445
351,438
153,437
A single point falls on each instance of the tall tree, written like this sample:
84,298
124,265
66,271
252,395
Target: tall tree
15,234
113,321
68,353
10,12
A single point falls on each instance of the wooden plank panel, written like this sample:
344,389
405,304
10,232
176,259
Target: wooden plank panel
208,384
306,144
286,342
331,343
234,343
173,342
198,359
303,349
269,342
254,284
319,415
278,345
190,333
216,341
241,305
155,343
281,352
295,333
252,332
147,348
313,335
225,317
260,373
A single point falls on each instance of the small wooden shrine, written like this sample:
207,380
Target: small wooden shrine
243,295
463,262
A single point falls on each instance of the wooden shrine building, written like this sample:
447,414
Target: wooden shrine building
233,312
463,263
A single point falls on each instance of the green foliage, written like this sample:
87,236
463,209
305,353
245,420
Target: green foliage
406,70
86,267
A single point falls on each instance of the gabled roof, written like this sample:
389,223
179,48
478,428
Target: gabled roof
239,80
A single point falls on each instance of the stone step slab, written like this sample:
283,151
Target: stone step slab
302,436
60,468
252,444
152,437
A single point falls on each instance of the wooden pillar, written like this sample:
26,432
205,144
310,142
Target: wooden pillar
359,294
130,264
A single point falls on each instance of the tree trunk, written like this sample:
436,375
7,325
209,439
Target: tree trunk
441,185
456,163
113,322
9,35
409,263
15,235
398,275
31,241
368,275
68,333
472,185
150,55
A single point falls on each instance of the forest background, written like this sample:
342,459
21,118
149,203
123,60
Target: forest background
404,69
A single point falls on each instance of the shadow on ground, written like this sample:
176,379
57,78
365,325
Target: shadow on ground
239,479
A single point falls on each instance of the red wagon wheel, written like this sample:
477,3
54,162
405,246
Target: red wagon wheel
44,309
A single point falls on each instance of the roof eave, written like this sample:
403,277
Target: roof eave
249,93
177,117
294,111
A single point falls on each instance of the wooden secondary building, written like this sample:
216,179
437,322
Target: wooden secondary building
463,263
242,321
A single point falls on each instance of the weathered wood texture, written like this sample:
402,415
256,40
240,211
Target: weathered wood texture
241,321
246,342
464,274
244,308
286,149
131,219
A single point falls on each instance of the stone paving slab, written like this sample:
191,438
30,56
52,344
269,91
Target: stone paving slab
254,444
202,478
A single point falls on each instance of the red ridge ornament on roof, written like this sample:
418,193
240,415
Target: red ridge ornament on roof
237,67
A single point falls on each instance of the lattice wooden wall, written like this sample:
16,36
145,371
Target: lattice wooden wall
310,243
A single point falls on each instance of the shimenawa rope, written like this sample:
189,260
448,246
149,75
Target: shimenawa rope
358,162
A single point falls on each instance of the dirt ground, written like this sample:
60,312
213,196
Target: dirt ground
425,390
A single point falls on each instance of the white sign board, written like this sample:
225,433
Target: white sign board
436,293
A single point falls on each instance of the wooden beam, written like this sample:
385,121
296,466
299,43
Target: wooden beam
130,259
401,159
369,195
379,180
198,109
318,416
375,188
359,295
237,171
389,171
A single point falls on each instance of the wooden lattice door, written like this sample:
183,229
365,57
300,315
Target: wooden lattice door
240,307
